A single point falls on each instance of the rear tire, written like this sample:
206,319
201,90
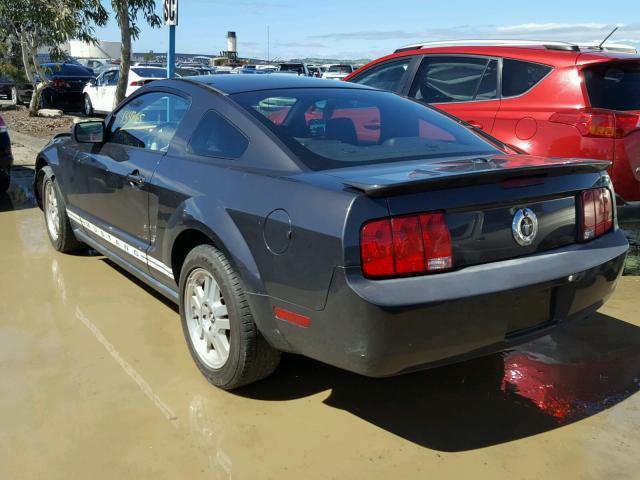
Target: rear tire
213,307
87,106
57,222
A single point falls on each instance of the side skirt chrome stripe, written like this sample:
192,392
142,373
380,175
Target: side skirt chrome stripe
123,246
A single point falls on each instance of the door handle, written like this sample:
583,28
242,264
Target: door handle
135,179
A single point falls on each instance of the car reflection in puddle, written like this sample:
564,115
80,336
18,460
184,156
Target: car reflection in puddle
20,194
571,377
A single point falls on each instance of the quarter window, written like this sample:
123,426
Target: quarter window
149,121
216,137
445,79
519,77
387,76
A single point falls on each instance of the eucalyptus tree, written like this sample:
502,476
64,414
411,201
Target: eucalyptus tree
127,14
50,24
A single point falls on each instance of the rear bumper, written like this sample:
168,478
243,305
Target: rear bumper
382,328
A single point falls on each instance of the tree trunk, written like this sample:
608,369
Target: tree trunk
34,105
122,14
25,58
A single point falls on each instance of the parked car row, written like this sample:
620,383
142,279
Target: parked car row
548,99
18,92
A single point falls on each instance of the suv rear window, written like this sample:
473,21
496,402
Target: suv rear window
65,69
519,77
615,86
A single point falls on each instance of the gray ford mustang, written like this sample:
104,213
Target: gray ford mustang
359,228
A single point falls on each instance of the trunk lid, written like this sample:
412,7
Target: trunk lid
481,196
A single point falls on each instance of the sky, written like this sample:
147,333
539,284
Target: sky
352,29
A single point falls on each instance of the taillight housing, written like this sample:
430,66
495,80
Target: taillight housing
137,83
599,123
597,213
406,245
60,84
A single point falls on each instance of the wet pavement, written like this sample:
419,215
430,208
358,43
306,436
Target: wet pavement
96,382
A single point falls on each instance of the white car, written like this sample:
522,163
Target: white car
100,95
338,72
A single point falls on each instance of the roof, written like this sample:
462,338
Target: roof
231,84
550,45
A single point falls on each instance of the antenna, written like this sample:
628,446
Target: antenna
599,47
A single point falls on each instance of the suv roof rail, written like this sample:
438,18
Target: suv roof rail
550,45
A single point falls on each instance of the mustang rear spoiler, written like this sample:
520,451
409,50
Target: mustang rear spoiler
422,179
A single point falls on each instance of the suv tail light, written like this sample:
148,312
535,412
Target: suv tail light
406,245
137,83
597,213
599,123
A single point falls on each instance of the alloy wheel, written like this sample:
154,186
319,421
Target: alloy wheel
207,318
51,210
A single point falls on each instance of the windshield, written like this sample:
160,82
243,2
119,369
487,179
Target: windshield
292,68
340,69
335,127
150,72
615,86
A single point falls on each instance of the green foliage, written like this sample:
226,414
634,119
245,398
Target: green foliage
13,72
145,8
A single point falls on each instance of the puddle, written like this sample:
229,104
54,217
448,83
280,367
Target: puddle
20,195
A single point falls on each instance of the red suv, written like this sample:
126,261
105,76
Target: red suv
554,99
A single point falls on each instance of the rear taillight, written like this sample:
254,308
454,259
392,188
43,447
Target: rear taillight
3,126
594,122
597,213
406,245
59,84
137,83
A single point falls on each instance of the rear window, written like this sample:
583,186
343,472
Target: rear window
335,128
292,68
614,86
519,77
150,72
340,69
71,70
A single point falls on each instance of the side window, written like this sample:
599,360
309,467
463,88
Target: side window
444,79
519,77
104,79
386,76
113,80
149,121
216,137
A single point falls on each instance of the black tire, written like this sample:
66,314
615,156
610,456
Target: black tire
43,102
65,241
5,181
87,106
251,358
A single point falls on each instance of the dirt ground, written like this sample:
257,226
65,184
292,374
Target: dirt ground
19,120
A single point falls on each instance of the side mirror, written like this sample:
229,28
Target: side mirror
92,82
88,132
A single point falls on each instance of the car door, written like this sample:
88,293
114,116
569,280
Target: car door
98,92
109,92
464,86
111,191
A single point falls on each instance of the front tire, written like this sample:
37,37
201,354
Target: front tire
217,322
57,222
88,106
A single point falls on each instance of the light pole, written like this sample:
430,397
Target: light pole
170,12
